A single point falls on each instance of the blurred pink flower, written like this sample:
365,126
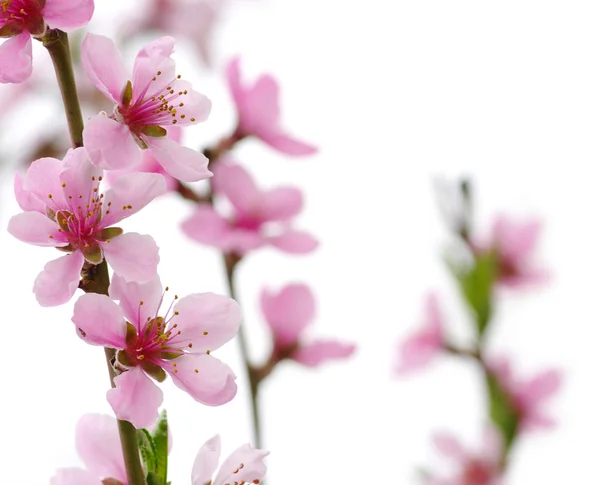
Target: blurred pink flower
424,344
22,19
481,467
65,209
260,217
99,447
152,100
528,395
191,19
244,465
288,313
515,243
258,111
150,342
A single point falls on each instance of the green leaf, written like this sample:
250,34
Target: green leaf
502,410
147,450
160,436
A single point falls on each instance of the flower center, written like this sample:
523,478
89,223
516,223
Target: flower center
19,15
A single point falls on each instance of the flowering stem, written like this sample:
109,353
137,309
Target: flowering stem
57,43
231,260
95,278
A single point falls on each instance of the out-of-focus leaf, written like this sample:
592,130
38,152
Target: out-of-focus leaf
502,410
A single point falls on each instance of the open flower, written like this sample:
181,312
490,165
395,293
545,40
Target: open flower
288,313
481,467
425,344
22,19
145,104
152,341
65,209
528,395
244,465
99,447
260,217
258,112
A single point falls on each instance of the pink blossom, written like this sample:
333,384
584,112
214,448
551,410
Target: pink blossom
515,243
150,341
258,111
99,447
145,104
528,395
288,313
22,19
244,465
259,217
65,209
424,344
481,467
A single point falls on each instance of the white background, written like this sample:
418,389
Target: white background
394,94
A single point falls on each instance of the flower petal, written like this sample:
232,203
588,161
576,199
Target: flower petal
196,106
294,242
260,110
288,312
68,14
235,183
35,228
99,321
104,66
26,200
79,177
135,398
110,144
74,476
15,58
281,204
286,144
449,446
232,72
133,256
130,294
252,471
213,384
42,179
59,280
154,58
207,227
99,446
131,193
319,351
206,321
181,162
206,461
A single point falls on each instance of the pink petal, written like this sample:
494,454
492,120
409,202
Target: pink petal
104,66
26,200
286,144
542,386
135,398
110,144
281,204
207,227
232,72
294,242
241,241
68,14
319,351
15,58
206,461
253,471
79,177
516,240
260,110
181,162
288,312
59,280
213,384
196,106
74,476
153,58
147,164
449,446
131,193
99,446
235,183
42,179
493,445
130,294
216,315
133,256
35,228
99,321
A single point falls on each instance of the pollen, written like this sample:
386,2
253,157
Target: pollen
196,371
205,333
